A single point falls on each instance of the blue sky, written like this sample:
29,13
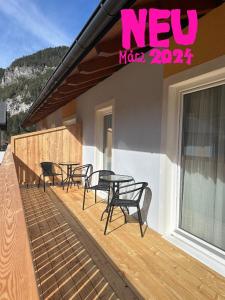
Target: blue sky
27,26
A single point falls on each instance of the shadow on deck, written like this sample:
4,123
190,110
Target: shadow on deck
68,264
74,260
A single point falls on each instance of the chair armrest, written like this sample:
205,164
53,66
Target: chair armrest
138,186
59,167
76,169
88,177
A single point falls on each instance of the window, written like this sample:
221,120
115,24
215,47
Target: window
107,142
202,197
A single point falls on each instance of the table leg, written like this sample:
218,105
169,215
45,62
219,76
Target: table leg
107,207
68,172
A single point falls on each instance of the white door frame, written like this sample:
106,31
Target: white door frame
102,110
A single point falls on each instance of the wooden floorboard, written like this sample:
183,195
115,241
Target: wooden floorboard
151,266
67,262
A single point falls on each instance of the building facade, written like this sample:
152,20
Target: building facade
165,125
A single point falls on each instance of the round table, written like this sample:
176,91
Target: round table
69,168
115,180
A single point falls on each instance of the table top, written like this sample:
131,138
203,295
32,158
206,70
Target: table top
117,178
68,163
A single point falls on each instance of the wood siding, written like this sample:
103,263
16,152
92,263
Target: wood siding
56,145
17,279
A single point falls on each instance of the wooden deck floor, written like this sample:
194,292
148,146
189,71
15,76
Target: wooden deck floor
67,262
155,267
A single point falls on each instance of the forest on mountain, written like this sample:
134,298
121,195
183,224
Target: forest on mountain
22,82
49,57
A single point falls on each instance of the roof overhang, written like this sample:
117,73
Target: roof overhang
94,55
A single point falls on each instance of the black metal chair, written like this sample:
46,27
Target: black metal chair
79,173
100,184
49,170
127,196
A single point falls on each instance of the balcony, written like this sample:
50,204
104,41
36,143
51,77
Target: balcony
52,249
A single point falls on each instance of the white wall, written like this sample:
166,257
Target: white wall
136,91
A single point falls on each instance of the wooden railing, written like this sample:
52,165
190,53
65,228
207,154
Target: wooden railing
57,145
17,279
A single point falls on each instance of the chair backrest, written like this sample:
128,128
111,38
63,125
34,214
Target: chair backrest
132,191
83,170
47,167
103,173
129,184
95,177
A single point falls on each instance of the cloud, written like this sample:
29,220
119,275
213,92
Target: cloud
27,15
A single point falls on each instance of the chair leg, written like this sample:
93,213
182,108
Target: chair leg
107,221
84,197
125,219
44,182
53,180
110,220
39,182
87,188
108,197
62,182
95,196
103,215
140,220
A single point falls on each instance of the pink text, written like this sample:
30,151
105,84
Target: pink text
156,19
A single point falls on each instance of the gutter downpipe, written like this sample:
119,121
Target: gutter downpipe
105,15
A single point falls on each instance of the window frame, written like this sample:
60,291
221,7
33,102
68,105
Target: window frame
199,77
194,239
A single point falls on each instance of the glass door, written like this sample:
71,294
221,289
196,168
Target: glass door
107,142
202,201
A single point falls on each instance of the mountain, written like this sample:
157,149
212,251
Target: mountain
1,73
23,80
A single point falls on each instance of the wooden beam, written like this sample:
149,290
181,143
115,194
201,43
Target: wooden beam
98,64
109,47
65,89
68,97
58,95
42,114
78,79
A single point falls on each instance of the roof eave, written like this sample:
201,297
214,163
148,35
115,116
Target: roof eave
103,18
